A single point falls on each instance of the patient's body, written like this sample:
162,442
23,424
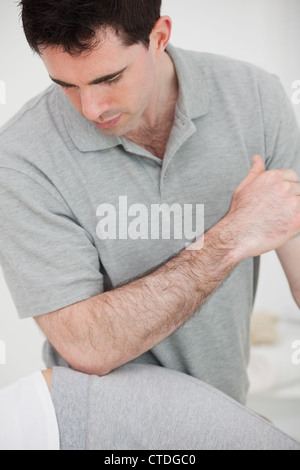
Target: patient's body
27,416
135,407
48,377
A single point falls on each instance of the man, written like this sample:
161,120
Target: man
131,118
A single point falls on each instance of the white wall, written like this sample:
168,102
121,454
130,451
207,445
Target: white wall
264,32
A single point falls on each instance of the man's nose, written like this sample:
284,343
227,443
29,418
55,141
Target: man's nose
94,103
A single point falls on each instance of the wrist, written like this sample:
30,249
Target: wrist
223,241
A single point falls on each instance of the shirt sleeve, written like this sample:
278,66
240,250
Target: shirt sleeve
282,129
49,261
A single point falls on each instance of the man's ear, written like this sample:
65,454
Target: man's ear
161,33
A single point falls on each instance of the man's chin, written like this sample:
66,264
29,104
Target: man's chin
110,132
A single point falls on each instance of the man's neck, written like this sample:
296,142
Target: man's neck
154,129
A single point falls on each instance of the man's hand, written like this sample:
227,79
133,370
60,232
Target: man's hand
265,210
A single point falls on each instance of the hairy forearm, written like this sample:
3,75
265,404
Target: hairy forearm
104,332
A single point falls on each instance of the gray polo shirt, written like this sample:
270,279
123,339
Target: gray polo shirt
62,182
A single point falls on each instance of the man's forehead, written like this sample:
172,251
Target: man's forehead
109,57
109,50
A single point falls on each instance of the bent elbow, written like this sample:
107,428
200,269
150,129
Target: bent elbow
75,345
90,364
86,364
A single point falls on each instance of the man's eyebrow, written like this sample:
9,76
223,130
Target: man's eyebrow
93,82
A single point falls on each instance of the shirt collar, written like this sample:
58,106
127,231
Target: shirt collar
193,102
193,94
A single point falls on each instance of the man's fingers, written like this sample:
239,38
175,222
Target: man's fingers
297,189
258,168
288,175
292,188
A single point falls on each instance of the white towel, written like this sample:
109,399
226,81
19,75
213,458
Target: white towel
27,416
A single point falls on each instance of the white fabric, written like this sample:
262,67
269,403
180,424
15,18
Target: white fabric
27,416
271,368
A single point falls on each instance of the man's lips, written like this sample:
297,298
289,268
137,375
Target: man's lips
108,124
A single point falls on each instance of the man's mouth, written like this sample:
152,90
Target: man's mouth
108,124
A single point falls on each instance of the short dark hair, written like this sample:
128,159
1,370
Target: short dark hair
72,24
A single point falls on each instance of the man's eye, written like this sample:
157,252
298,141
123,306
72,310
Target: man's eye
67,87
114,81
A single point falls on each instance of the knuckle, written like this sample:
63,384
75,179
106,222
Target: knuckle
236,192
293,206
298,212
272,177
295,175
293,211
284,187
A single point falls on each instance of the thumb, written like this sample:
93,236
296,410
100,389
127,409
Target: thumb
258,167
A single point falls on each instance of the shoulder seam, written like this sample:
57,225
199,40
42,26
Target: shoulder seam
28,175
19,115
